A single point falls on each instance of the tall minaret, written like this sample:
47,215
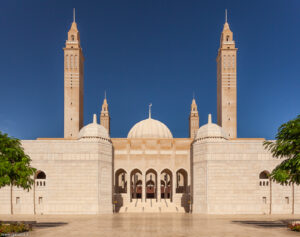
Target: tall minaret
194,119
104,116
73,88
226,80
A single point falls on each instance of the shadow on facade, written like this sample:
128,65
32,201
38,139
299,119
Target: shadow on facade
118,202
37,224
266,224
185,202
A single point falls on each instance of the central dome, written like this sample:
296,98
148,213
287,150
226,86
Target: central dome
150,128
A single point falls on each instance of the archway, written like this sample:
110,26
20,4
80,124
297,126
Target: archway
136,184
121,181
166,184
151,184
181,181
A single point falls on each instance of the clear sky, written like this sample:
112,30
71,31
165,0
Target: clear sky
143,52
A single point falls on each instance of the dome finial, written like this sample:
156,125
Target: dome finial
209,118
150,105
95,118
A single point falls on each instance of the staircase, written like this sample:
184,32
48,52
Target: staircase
151,206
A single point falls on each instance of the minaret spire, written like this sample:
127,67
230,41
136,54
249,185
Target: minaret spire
150,105
226,82
73,14
73,83
104,115
193,119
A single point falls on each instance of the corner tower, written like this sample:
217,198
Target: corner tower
226,82
73,84
104,116
194,119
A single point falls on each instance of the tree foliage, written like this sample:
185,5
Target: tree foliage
287,146
15,169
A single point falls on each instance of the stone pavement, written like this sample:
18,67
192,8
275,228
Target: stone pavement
158,225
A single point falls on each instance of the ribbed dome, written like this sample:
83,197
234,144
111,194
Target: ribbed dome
211,131
150,128
93,131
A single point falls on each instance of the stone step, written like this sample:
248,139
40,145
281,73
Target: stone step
151,206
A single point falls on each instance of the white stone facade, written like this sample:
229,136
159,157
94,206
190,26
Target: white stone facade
211,172
226,180
78,179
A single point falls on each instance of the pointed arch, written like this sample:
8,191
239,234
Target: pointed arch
136,184
181,181
166,190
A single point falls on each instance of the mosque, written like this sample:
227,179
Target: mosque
210,172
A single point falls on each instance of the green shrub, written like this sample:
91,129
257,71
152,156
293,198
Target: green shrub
14,228
294,226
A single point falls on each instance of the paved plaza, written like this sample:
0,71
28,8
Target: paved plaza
158,225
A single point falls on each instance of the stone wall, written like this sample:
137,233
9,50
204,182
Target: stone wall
226,180
78,179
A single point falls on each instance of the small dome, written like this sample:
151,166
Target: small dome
150,128
93,131
211,131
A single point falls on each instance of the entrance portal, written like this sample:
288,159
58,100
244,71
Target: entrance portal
151,184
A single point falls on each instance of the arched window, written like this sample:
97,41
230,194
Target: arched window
264,178
227,37
41,175
40,178
72,37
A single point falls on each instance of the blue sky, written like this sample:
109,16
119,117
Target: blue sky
143,52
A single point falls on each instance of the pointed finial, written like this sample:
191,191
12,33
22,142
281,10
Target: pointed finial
225,15
209,118
193,95
105,95
73,14
95,118
150,105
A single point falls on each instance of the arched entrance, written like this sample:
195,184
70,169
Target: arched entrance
166,183
136,184
121,181
151,184
181,181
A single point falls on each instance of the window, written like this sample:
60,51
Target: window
264,200
72,37
40,200
40,177
287,200
227,38
17,200
264,178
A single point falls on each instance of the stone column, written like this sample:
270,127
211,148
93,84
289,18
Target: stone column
158,188
173,186
143,188
128,188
